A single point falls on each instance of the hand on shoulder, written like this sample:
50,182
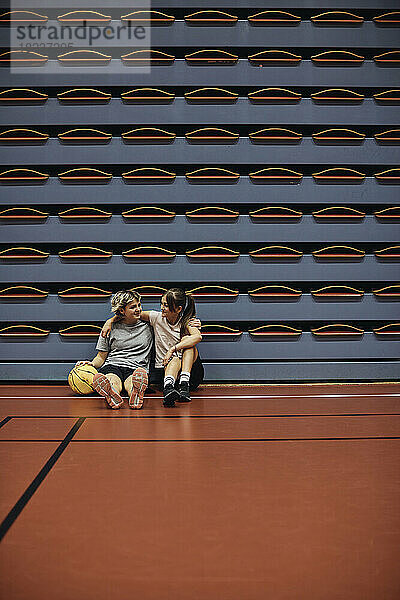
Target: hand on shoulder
106,329
195,322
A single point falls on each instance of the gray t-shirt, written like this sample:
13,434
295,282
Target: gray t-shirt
127,345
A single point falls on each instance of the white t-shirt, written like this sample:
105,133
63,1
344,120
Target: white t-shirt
165,335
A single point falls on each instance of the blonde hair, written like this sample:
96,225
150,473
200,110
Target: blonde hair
121,299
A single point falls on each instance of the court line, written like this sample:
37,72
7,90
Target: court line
249,439
320,439
278,396
221,397
189,416
44,471
5,421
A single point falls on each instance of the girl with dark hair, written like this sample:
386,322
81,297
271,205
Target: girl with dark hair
175,341
176,333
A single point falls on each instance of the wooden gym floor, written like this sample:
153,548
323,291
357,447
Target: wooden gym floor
281,492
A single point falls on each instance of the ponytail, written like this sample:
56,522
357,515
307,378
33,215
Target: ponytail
177,297
188,313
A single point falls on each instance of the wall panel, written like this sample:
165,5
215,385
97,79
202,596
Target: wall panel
368,357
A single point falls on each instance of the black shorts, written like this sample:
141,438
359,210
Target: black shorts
122,372
196,375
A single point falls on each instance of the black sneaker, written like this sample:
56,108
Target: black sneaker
170,395
183,391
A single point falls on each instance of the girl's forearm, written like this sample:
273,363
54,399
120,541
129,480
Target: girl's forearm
188,341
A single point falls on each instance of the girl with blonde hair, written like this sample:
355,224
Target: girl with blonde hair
123,358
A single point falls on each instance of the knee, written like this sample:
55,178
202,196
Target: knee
189,355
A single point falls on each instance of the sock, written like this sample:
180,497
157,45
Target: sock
169,380
185,376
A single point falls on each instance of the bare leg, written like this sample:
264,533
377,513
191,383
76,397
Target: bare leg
170,393
173,367
188,358
115,382
128,385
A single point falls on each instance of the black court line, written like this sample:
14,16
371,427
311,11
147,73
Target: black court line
321,439
5,421
31,489
135,416
249,440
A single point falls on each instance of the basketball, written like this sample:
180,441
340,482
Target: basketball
80,379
